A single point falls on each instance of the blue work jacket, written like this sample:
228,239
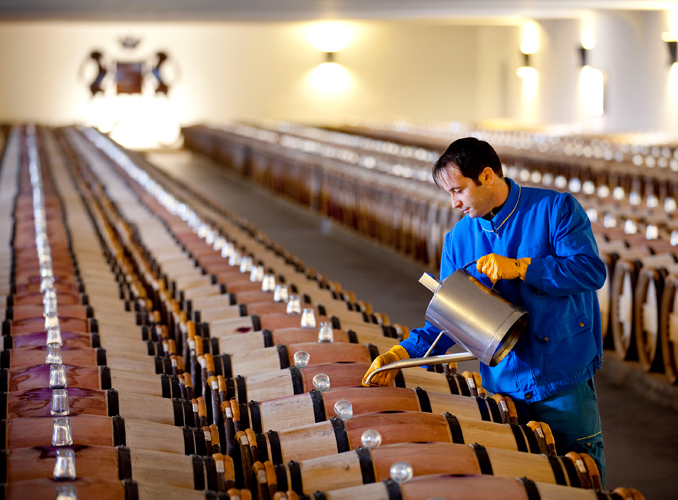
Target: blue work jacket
562,346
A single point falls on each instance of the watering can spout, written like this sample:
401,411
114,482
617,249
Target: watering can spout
429,282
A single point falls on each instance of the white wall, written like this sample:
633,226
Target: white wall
412,70
232,70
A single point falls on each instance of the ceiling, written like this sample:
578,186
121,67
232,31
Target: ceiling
296,10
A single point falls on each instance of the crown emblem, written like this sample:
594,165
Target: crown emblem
130,42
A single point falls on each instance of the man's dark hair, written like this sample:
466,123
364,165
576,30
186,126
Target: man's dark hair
470,156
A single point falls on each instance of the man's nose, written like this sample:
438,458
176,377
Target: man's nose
456,202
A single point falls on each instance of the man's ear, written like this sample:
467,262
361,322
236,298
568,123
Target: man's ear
487,176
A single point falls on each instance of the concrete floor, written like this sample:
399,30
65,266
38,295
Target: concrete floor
639,412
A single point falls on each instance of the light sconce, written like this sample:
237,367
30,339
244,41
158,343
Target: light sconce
526,70
529,46
672,46
330,38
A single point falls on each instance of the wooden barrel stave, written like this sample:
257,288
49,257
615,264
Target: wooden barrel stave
453,487
668,332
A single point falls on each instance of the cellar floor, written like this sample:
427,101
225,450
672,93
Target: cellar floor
639,411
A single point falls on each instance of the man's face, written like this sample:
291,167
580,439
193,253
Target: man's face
472,199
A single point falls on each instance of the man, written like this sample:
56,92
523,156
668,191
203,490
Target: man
537,247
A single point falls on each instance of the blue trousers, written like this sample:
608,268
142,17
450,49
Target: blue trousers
574,420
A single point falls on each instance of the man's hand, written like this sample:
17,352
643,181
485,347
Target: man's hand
396,353
497,267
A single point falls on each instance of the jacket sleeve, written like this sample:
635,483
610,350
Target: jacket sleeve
574,267
420,339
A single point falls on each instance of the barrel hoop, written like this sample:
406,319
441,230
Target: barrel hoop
101,356
243,310
232,300
230,389
198,474
3,468
3,434
94,340
352,336
241,382
93,325
5,359
305,297
531,439
131,489
244,416
113,402
400,379
295,476
104,377
336,322
366,465
464,389
124,462
197,316
393,490
256,322
297,380
293,288
119,437
226,368
494,410
367,318
557,467
255,417
8,342
189,448
222,289
151,348
452,382
455,428
281,477
318,405
199,440
321,310
374,352
146,333
205,328
424,401
262,449
521,444
340,434
284,356
483,459
160,365
6,327
530,488
178,406
274,442
268,337
89,312
188,413
572,474
483,408
211,473
174,384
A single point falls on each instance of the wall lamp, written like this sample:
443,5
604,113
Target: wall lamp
529,46
672,46
330,37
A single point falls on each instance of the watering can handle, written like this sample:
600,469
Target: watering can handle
467,273
470,263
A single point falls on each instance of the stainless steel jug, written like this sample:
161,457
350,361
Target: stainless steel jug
474,316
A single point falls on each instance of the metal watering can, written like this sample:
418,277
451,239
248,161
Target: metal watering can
474,316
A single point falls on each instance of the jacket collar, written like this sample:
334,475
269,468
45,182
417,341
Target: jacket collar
500,220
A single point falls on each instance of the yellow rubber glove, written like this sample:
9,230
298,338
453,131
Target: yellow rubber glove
395,353
497,267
